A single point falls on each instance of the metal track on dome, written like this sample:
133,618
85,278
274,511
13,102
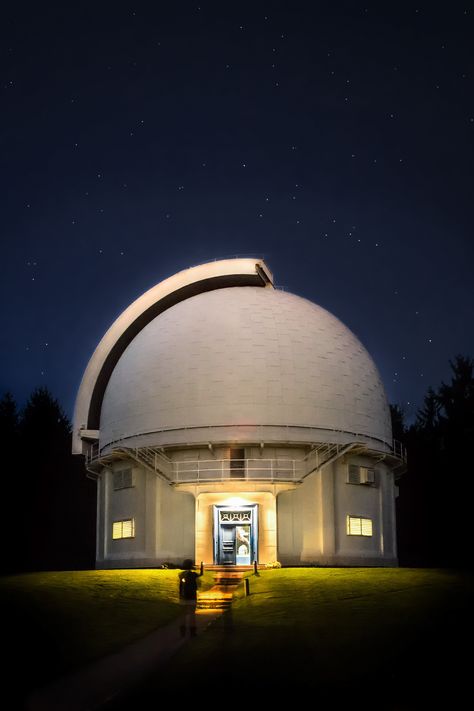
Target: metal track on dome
171,291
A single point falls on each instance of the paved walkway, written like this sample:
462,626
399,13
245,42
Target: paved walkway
99,683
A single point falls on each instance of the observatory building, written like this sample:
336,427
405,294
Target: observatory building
229,421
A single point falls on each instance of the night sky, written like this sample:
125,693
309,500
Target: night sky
335,140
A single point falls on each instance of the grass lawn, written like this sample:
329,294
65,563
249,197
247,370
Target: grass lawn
53,622
365,638
386,638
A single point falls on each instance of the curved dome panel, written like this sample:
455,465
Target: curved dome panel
244,356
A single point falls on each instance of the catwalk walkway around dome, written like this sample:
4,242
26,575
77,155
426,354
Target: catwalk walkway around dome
105,680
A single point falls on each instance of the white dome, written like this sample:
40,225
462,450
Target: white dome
243,357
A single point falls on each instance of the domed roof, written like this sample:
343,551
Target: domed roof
243,357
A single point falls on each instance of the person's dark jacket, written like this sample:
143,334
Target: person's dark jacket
188,585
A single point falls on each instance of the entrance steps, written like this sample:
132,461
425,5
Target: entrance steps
227,579
233,568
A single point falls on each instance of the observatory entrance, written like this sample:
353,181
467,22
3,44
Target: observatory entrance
235,535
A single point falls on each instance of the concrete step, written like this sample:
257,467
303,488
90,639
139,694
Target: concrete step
214,604
232,568
218,597
228,578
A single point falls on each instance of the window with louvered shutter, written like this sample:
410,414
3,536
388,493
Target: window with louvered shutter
123,479
353,475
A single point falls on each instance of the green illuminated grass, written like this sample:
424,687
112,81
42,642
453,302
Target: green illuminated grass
371,638
389,636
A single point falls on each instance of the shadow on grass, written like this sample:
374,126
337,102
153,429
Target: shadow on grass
53,623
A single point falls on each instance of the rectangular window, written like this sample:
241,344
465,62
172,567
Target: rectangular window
123,479
123,529
353,476
360,475
367,476
357,526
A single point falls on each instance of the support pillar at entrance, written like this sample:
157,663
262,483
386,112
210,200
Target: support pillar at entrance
266,522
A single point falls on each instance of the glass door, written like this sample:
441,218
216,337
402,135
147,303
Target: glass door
242,543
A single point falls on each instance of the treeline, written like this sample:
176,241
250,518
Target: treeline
436,494
48,503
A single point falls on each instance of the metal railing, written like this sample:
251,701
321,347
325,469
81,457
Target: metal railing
399,450
209,470
92,453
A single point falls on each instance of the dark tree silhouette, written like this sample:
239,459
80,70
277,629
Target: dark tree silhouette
8,415
11,484
51,503
435,502
456,403
427,419
398,422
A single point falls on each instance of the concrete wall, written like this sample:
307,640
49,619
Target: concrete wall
306,525
375,502
164,521
299,523
312,520
221,451
175,524
134,502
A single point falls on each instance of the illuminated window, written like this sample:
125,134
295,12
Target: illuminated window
123,479
357,526
123,529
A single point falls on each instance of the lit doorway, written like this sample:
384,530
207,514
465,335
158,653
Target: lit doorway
235,535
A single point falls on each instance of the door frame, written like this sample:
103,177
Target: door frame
216,533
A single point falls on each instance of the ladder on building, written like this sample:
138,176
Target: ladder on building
151,459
